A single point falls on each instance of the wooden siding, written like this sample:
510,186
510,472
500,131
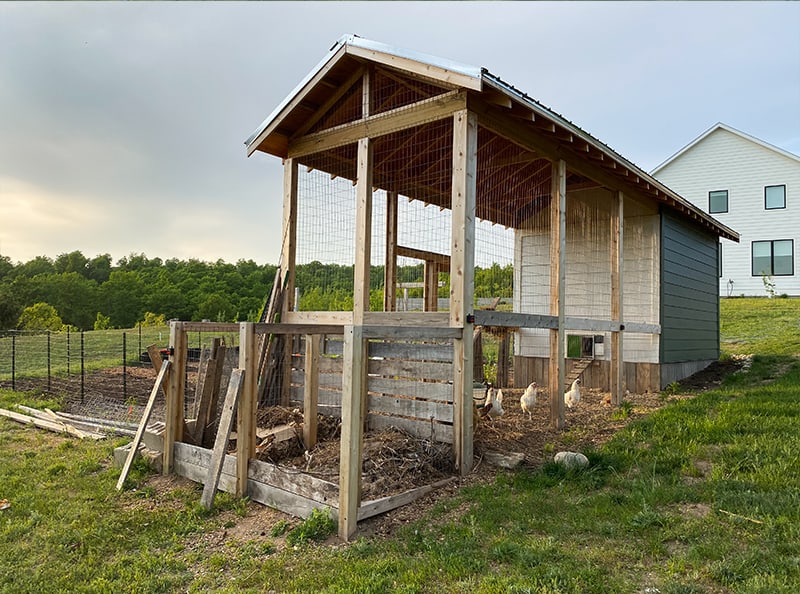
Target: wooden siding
727,161
689,300
639,378
409,386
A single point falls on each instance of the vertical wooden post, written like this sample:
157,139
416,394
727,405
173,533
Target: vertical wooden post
390,263
363,231
310,394
558,227
430,291
288,261
173,417
617,362
246,409
350,453
462,280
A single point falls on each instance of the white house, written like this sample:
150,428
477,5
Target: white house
750,186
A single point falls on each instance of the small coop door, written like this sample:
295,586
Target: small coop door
579,347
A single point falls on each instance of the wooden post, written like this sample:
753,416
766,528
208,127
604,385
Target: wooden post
310,394
363,231
238,378
288,261
558,226
148,409
350,453
430,291
617,362
246,409
390,263
503,368
462,281
173,416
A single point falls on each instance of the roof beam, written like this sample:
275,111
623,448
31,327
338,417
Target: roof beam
408,116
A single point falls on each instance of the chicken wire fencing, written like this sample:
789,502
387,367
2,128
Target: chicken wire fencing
105,375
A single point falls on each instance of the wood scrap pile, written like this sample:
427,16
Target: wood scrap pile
52,421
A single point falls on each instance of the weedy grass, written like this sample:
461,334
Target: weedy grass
701,496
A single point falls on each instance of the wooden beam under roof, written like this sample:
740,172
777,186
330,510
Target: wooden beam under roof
408,116
330,102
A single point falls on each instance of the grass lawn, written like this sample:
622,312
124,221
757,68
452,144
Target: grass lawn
701,496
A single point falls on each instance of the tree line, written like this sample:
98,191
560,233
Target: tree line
86,293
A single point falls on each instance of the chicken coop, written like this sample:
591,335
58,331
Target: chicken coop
406,172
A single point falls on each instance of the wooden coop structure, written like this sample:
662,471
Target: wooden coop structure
376,143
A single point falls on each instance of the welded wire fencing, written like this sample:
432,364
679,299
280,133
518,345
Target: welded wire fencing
105,374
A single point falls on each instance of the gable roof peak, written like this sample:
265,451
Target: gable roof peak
727,128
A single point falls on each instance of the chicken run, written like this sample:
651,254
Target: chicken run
406,173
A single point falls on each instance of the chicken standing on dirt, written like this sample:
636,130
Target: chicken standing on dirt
528,399
493,407
572,397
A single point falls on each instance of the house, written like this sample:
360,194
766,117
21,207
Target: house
391,156
753,187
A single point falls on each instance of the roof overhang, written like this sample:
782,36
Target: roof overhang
513,113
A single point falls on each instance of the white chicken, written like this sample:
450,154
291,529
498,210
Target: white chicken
573,396
493,407
528,399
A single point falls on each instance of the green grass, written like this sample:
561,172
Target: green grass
760,325
701,496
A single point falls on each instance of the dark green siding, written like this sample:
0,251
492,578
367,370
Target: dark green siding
689,292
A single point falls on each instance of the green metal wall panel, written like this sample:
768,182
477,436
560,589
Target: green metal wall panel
689,292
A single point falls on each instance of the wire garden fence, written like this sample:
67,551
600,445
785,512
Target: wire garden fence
106,374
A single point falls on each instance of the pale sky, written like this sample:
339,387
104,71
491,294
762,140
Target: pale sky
122,125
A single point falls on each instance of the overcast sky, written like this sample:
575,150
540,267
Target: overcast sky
122,125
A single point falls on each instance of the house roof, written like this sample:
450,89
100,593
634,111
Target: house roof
721,126
520,118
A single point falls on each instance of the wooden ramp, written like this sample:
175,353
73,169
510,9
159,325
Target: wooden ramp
578,368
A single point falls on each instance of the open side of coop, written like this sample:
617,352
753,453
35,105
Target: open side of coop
408,176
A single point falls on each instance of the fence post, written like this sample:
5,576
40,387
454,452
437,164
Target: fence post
124,366
83,379
48,362
14,361
67,351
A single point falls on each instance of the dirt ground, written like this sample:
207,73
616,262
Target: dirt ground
394,461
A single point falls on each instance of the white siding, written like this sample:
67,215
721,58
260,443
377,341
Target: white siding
588,273
724,160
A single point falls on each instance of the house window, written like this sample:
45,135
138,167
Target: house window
719,260
774,197
773,258
718,201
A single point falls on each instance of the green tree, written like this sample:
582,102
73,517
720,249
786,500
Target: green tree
6,267
98,268
31,268
122,297
152,320
74,296
40,317
71,262
102,322
216,308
